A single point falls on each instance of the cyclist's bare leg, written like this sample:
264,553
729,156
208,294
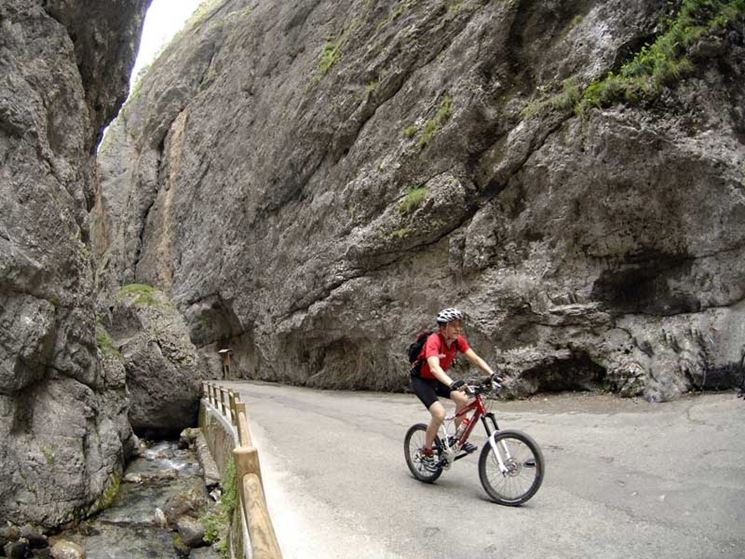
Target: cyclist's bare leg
461,401
437,410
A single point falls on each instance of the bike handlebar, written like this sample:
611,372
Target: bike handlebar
489,384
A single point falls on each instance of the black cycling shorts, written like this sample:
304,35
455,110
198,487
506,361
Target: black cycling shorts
427,390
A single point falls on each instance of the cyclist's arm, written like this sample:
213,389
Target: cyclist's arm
476,361
437,371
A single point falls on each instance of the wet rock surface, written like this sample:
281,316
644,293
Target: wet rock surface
137,525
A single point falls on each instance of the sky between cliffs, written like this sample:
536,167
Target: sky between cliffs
163,20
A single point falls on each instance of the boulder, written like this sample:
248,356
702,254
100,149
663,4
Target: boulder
18,549
160,363
65,549
9,534
189,501
188,437
191,531
35,537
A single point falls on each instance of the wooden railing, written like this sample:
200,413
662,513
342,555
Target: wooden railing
250,487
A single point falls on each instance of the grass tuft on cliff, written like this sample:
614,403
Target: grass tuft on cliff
660,63
105,343
332,49
666,60
414,197
143,294
329,55
436,122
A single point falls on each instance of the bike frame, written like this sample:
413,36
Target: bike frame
479,412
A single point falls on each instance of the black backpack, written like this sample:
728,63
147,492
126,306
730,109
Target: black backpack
415,348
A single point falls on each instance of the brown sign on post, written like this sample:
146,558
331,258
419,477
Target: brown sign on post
225,353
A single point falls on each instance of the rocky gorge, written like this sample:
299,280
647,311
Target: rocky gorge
311,181
70,393
308,182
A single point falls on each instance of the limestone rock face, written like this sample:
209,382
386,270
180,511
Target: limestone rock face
160,363
311,181
63,425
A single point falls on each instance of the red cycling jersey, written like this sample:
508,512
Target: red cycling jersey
436,346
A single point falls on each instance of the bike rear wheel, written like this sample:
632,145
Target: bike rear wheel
521,472
413,442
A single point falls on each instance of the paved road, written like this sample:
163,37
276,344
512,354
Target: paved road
625,479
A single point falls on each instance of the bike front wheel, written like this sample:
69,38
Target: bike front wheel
419,467
512,476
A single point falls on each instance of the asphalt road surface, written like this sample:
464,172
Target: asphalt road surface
624,479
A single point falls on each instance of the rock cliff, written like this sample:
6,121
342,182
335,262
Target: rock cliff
64,431
311,181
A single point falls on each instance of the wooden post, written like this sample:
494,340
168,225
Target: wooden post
264,543
232,397
246,461
244,435
223,407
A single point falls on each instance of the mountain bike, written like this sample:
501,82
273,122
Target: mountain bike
511,465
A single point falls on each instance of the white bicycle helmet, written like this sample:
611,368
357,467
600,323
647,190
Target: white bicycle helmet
448,315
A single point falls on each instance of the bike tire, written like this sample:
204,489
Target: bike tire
526,468
413,441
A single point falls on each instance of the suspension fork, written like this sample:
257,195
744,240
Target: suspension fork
490,416
491,432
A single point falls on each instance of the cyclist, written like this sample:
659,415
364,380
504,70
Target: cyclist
437,355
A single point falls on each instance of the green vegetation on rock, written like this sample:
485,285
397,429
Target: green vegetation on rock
329,55
454,6
106,499
217,521
436,122
400,8
229,497
104,342
182,550
49,454
331,50
144,294
570,95
666,60
202,10
660,63
576,20
410,131
412,200
371,87
401,233
109,494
